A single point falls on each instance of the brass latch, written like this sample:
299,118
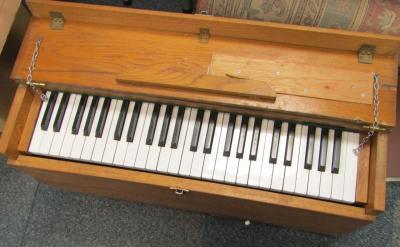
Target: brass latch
366,53
57,20
204,35
179,192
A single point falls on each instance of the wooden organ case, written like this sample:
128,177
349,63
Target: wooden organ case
273,71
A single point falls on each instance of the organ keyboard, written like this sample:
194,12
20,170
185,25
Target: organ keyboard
239,118
305,159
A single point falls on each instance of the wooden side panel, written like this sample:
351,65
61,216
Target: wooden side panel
377,175
30,123
363,174
219,199
15,122
234,28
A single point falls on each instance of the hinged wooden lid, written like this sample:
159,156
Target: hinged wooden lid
315,72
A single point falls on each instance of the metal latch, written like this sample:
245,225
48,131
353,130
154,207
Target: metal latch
179,192
57,20
366,53
204,35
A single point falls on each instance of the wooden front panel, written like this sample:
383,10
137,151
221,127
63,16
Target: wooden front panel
219,199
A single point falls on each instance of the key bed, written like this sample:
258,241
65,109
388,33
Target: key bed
308,160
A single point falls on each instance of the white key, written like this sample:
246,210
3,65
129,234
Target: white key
133,147
69,138
267,168
255,166
111,144
143,150
90,140
165,152
220,164
302,174
291,171
36,140
123,144
198,157
101,142
244,163
59,136
47,138
325,187
176,154
350,176
338,179
279,168
80,138
154,152
233,162
187,155
314,177
210,159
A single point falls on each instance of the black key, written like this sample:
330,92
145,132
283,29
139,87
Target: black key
134,120
210,132
323,150
177,128
255,139
90,117
229,135
242,137
289,144
310,147
336,151
103,117
121,120
153,124
196,130
275,142
49,110
61,112
165,126
79,114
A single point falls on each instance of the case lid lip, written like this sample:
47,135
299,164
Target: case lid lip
219,26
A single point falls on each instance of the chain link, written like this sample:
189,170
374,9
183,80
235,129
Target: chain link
31,68
375,124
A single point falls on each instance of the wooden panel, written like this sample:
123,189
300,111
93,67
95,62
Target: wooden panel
88,57
297,78
15,122
235,28
363,173
30,123
377,175
175,77
304,213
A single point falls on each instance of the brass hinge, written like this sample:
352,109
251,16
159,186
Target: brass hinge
366,53
57,20
204,35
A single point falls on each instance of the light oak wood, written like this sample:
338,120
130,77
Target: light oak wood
218,26
8,10
15,123
264,206
363,173
175,77
377,175
300,79
88,57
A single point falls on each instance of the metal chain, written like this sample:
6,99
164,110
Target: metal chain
31,68
375,124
